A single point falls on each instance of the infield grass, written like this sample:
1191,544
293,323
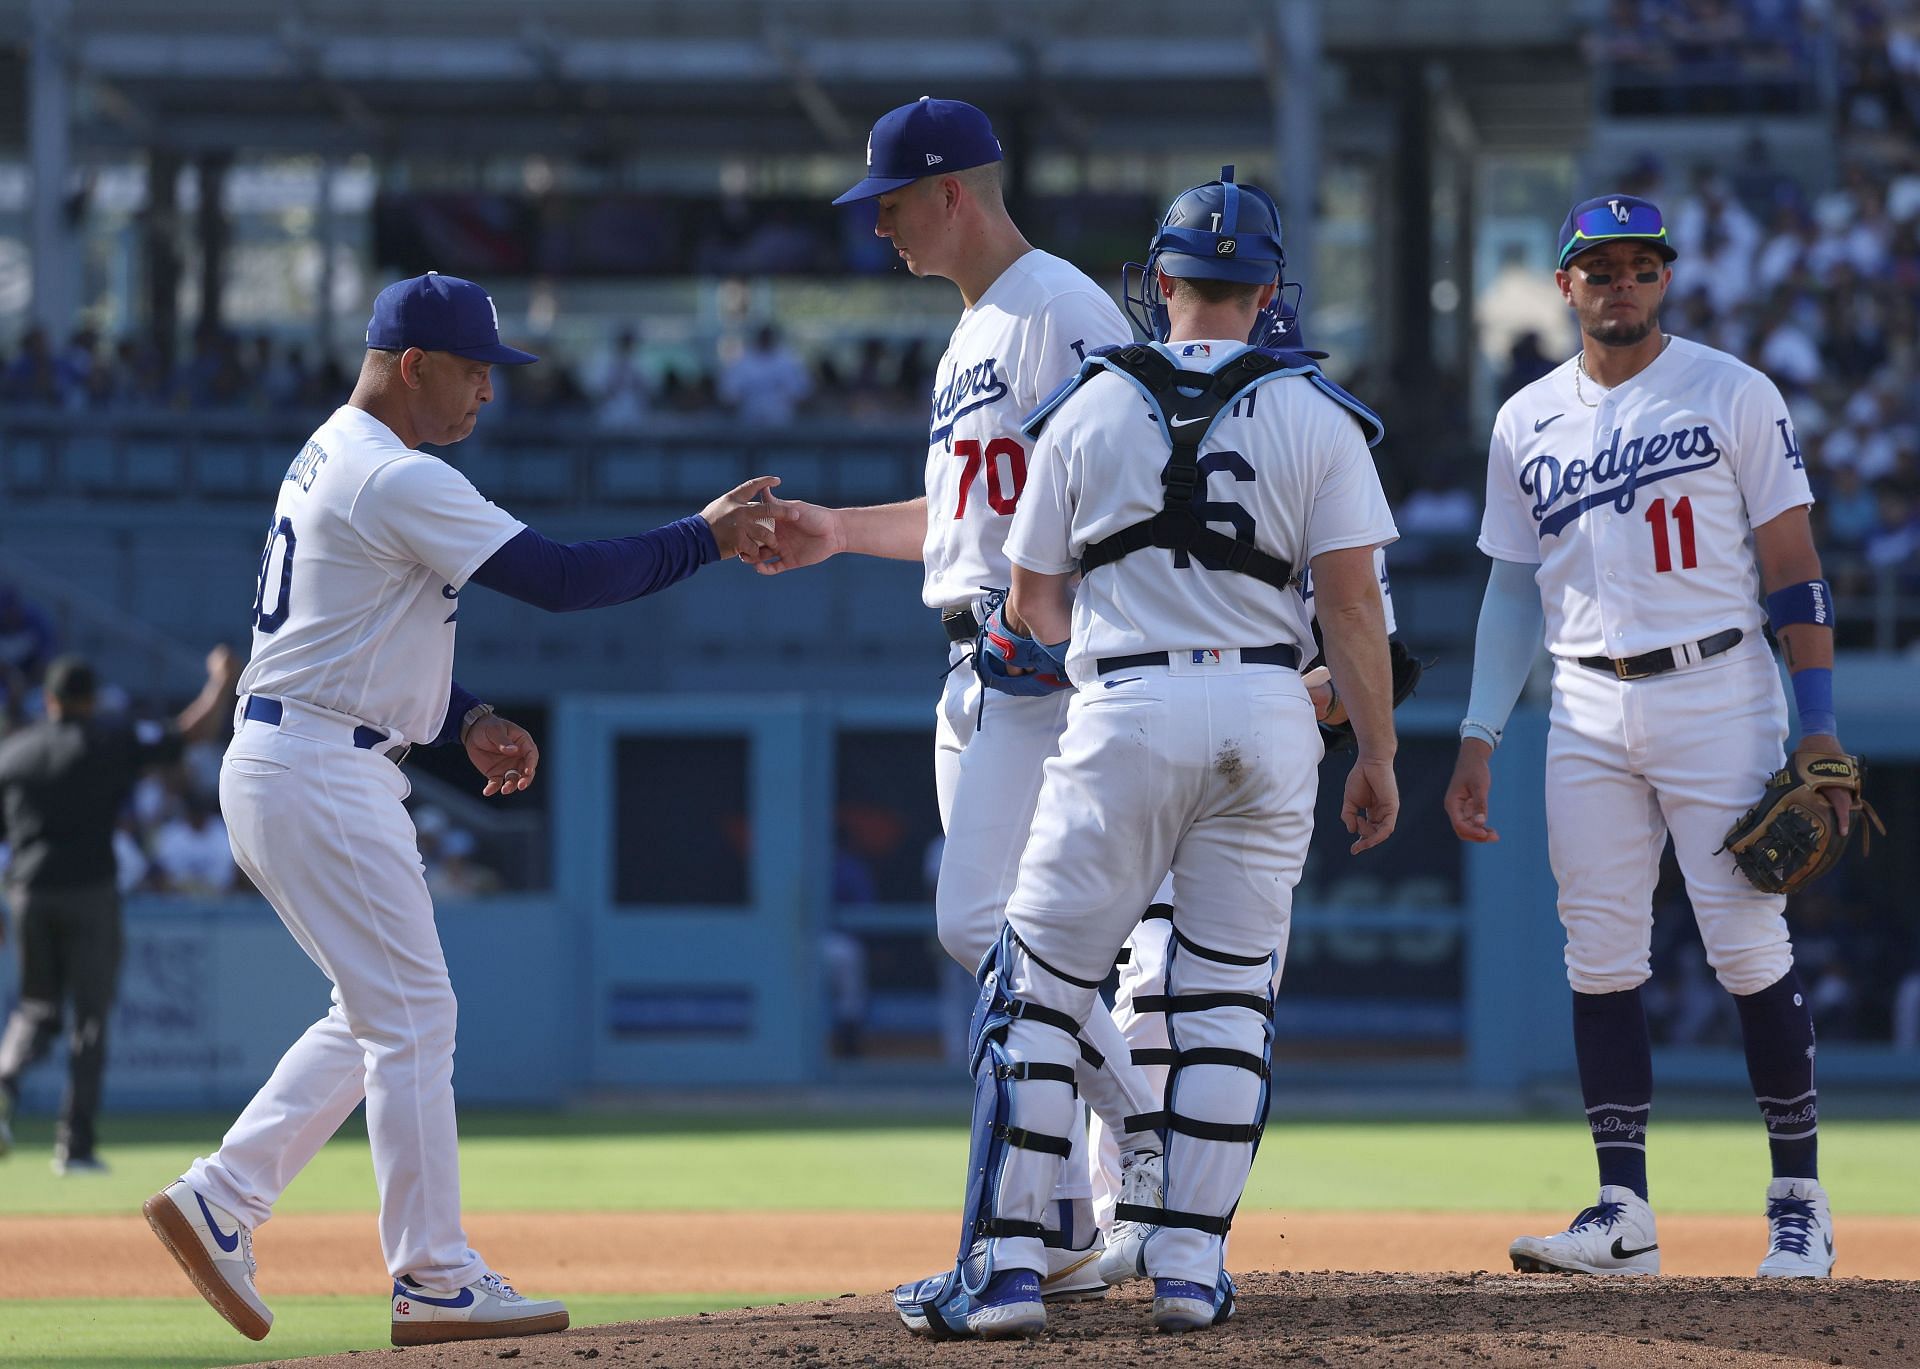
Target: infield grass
181,1333
527,1163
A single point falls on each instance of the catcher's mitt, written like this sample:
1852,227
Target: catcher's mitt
1790,838
998,650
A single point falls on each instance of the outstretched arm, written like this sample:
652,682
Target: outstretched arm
810,533
565,577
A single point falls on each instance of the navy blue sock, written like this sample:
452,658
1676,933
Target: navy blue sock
1610,1042
1777,1027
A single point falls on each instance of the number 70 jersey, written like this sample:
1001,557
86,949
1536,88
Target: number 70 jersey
1638,503
1022,338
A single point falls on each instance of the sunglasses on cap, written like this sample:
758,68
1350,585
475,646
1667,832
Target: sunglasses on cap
1604,224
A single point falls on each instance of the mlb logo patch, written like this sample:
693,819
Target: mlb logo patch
1211,656
1196,349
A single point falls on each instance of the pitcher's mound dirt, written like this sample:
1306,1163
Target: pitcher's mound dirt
1388,1321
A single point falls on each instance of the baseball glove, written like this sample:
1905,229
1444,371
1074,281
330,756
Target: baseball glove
1790,838
998,651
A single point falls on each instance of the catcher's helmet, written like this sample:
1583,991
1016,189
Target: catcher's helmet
1216,231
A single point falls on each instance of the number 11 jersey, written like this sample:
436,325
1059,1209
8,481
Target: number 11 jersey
1030,331
1638,503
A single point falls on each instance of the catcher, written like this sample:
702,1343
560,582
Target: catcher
1642,498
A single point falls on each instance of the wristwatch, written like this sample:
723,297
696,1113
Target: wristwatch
474,715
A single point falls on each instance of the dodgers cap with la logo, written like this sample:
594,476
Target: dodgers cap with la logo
926,138
439,313
1613,218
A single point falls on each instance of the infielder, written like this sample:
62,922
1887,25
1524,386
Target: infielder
1031,320
1190,745
371,544
1650,489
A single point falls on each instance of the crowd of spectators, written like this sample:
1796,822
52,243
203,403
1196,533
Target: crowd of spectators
761,380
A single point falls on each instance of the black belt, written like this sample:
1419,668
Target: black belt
261,709
959,624
1278,654
1661,661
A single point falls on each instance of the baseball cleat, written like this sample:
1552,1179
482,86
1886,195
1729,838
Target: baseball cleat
1182,1305
1800,1243
1142,1184
1614,1236
216,1251
1074,1275
940,1308
485,1308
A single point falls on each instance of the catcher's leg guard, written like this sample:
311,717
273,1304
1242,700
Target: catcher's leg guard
1025,1045
1219,1009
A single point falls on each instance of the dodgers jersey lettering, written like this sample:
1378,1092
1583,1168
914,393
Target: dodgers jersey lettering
1023,337
1286,464
370,546
1640,512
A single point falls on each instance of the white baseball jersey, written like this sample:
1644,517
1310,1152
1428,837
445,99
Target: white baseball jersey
1640,511
1022,338
370,545
1287,457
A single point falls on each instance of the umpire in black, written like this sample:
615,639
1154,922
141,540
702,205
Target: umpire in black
63,782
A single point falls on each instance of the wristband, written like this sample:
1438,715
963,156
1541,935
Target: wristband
1810,601
1813,693
1480,731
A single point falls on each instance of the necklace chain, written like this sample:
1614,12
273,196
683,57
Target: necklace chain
1580,369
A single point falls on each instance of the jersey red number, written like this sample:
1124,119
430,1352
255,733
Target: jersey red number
1005,463
1683,524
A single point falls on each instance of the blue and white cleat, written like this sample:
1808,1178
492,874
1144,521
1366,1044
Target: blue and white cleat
941,1309
1181,1305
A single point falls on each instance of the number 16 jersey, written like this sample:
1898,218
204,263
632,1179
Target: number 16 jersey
1030,331
1638,503
359,584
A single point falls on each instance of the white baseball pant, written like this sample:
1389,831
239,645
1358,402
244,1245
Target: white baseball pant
319,827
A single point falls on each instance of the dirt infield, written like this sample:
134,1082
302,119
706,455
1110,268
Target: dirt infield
841,1252
1395,1321
1297,1314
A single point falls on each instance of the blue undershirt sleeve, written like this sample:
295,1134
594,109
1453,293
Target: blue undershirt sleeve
460,702
1511,621
563,577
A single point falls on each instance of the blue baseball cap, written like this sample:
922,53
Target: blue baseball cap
1613,218
926,138
439,313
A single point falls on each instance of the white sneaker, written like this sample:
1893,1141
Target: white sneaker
482,1310
1143,1183
1614,1236
1800,1244
215,1250
1074,1275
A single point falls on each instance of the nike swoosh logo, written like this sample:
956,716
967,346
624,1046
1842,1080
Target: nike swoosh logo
463,1299
220,1238
1620,1251
1074,1268
1129,680
1543,422
1184,422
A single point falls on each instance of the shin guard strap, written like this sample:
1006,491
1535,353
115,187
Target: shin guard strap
1201,1002
1219,957
1213,1131
1036,1140
1160,1216
1037,1069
